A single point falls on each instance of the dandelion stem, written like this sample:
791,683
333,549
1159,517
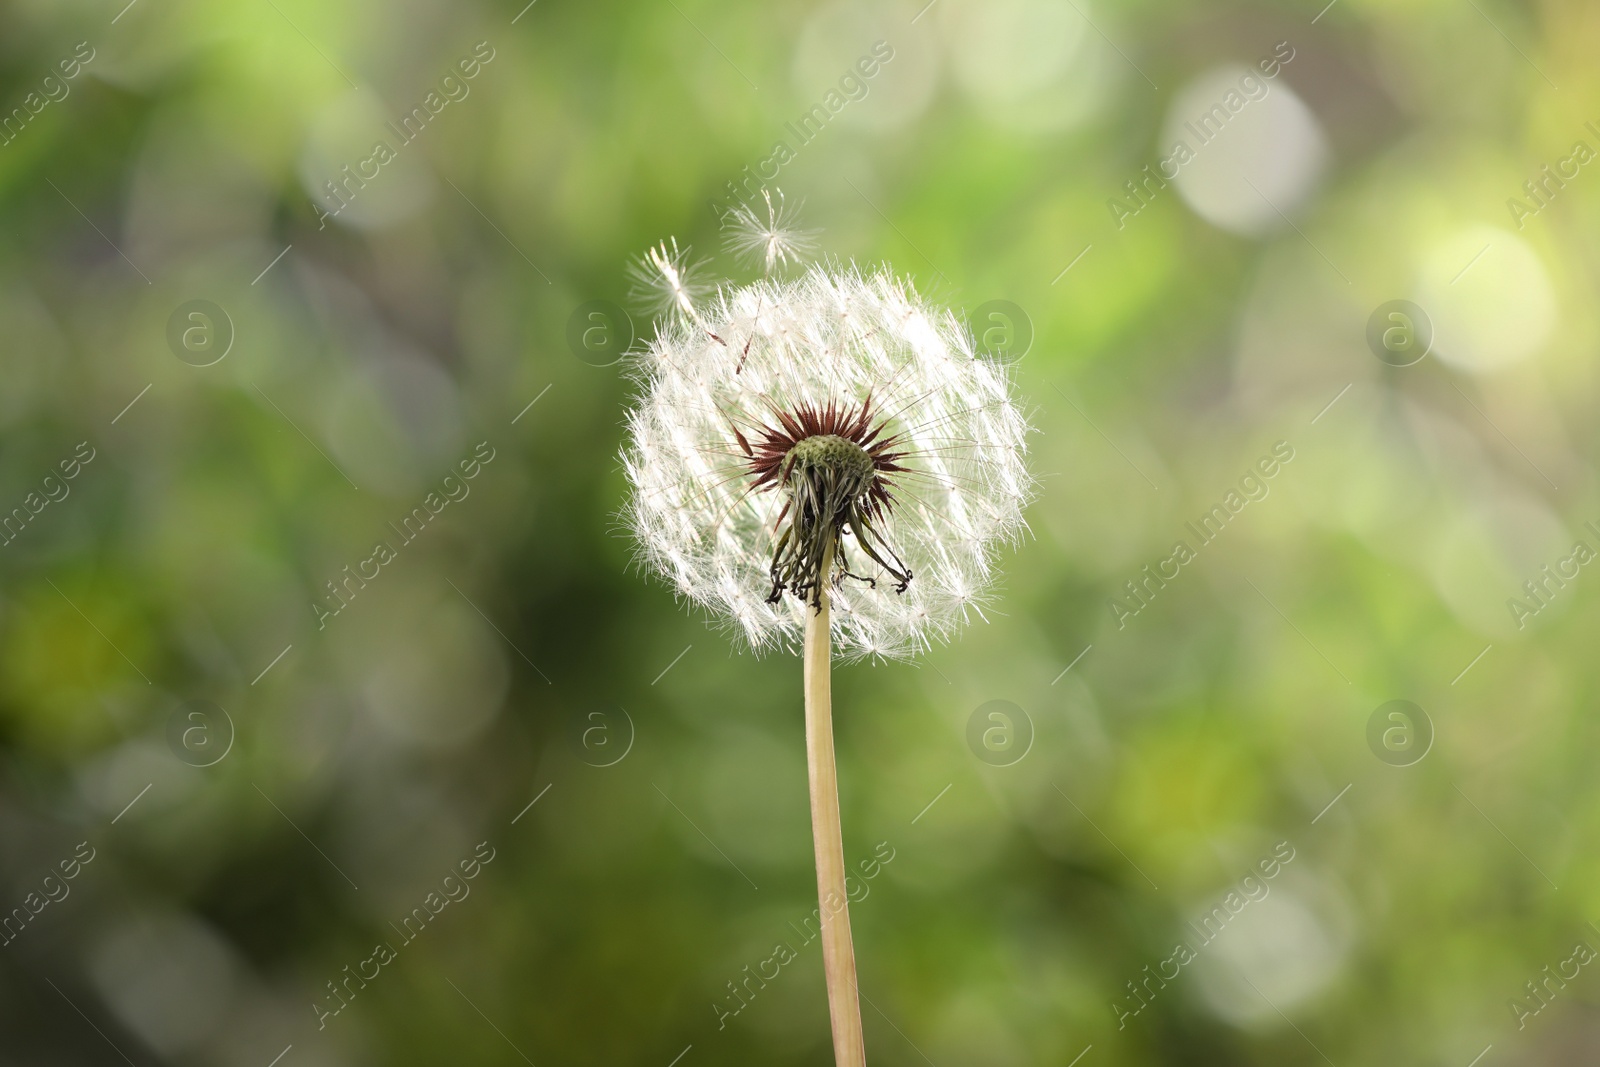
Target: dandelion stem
838,952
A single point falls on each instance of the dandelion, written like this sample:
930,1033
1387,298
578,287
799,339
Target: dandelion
824,462
667,280
778,239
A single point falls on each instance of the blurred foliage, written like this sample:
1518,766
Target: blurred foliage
372,751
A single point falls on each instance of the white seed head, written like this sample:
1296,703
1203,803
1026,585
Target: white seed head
715,377
774,240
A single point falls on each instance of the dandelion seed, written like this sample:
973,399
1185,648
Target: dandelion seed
666,280
777,239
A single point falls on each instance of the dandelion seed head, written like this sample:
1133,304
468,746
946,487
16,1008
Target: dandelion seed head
731,390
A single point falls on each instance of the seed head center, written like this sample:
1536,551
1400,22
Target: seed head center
830,453
837,471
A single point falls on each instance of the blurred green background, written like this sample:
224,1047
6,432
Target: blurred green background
267,789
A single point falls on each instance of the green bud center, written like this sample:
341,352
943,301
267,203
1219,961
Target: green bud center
844,459
828,479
